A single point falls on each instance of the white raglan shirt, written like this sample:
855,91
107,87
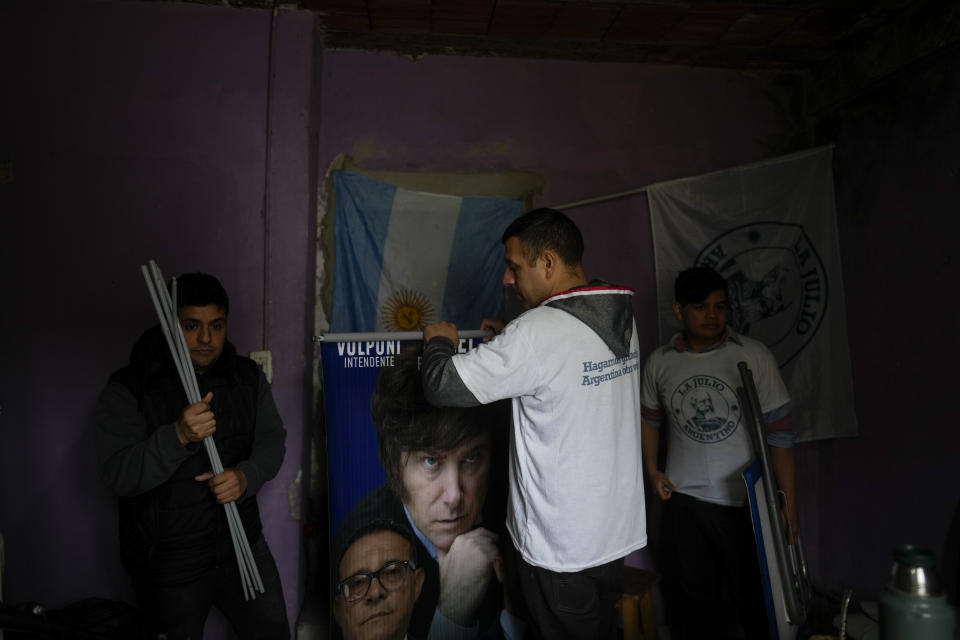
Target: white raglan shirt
576,485
708,440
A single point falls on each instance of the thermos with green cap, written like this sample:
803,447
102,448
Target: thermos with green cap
912,606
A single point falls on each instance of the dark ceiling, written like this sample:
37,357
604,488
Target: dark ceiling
767,34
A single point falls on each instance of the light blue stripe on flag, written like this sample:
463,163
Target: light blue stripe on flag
407,257
360,230
475,274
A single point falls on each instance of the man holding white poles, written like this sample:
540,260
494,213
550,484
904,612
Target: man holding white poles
570,364
175,538
708,550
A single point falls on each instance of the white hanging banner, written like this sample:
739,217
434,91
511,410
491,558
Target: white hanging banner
770,229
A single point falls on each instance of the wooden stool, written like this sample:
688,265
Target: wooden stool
637,604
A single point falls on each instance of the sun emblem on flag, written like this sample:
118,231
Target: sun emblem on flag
406,310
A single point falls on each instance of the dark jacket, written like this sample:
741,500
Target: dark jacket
175,531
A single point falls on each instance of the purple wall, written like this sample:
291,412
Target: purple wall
898,197
589,129
138,131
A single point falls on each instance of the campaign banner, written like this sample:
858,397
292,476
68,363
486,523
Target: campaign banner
349,373
404,477
770,230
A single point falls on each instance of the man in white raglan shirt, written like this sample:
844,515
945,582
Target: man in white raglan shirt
711,576
570,363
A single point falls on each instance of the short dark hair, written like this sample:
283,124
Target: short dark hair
695,284
405,421
200,290
543,229
362,522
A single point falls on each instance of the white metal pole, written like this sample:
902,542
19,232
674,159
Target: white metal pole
383,336
176,341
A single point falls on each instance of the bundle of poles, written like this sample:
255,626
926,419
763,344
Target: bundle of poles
170,324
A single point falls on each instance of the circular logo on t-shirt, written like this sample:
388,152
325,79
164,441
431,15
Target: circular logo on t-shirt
777,284
706,409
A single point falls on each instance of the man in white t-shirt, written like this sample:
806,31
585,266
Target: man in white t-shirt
570,363
711,575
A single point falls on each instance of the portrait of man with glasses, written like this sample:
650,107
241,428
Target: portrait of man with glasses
378,581
445,481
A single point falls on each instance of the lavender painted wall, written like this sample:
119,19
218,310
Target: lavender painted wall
589,129
137,131
898,189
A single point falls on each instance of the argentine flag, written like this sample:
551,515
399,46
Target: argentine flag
405,258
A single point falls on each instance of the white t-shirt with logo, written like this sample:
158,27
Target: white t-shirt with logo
576,478
708,440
